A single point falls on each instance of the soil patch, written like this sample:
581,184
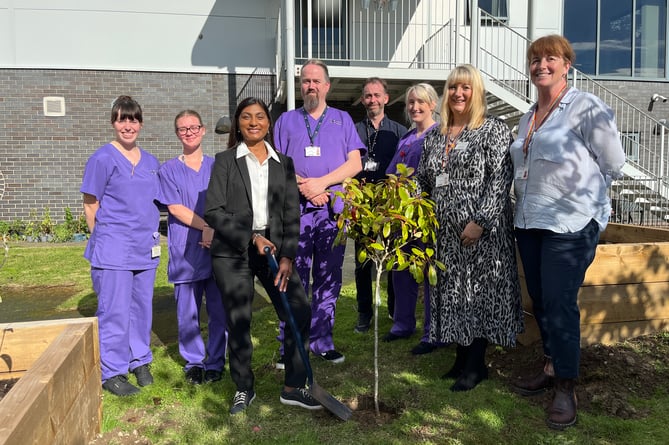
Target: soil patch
609,375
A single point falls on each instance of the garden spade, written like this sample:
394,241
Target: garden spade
322,396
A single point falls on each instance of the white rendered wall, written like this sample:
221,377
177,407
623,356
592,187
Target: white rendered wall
219,36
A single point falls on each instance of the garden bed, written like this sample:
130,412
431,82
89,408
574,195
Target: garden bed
57,397
625,293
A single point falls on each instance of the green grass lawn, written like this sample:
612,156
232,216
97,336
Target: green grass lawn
417,406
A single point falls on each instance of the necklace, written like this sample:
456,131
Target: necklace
452,140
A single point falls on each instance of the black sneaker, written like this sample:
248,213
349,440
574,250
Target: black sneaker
212,375
423,348
194,375
362,326
332,356
300,397
242,400
119,386
143,375
281,363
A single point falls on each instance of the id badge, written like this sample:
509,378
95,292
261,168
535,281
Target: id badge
371,165
312,151
155,251
442,180
461,146
521,172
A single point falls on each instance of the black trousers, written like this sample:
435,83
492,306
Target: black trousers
234,277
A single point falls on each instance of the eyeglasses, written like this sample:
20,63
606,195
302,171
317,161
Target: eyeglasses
195,129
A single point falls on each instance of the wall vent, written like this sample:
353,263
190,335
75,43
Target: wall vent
54,106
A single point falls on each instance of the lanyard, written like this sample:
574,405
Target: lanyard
312,136
372,144
534,126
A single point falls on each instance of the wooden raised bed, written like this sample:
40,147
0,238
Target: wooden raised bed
57,399
626,289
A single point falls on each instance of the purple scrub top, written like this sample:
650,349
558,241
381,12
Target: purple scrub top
409,150
126,223
180,184
337,136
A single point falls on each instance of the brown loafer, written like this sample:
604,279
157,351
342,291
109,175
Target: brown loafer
534,385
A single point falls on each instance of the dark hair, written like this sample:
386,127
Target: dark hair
187,113
235,136
125,107
551,45
378,80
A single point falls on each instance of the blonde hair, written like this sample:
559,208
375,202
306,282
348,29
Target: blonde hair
477,107
426,93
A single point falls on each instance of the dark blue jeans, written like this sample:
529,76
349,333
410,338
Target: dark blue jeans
555,265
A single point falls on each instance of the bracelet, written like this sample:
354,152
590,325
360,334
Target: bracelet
254,237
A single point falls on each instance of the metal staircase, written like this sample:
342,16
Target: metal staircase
422,40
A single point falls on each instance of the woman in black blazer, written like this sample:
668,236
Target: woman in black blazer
252,203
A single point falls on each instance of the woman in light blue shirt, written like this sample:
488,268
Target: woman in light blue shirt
566,154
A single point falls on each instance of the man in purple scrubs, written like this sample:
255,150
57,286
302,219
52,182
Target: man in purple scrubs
326,149
120,185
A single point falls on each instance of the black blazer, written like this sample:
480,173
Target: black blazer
228,208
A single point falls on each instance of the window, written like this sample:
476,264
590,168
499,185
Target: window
328,30
618,39
630,142
496,11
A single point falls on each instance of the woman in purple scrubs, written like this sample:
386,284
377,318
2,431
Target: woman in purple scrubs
421,104
183,186
120,185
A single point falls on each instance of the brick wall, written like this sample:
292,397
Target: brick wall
42,158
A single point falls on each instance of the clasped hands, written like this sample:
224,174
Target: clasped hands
314,189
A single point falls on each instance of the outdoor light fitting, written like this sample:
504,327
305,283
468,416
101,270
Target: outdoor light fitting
654,98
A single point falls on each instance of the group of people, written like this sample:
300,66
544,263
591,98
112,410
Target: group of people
272,191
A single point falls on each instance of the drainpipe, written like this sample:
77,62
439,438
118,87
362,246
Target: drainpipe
474,30
289,8
531,30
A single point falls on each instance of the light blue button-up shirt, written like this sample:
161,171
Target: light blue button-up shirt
561,184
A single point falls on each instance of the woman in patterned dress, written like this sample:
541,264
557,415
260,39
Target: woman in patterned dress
466,170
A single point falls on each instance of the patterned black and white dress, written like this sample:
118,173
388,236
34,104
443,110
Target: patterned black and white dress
478,296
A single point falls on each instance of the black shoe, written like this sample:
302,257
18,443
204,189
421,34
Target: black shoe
143,375
212,375
363,324
423,348
119,386
332,356
194,375
242,400
392,337
300,397
469,380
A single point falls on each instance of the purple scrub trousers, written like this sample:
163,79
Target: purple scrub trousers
406,297
124,318
191,345
316,256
